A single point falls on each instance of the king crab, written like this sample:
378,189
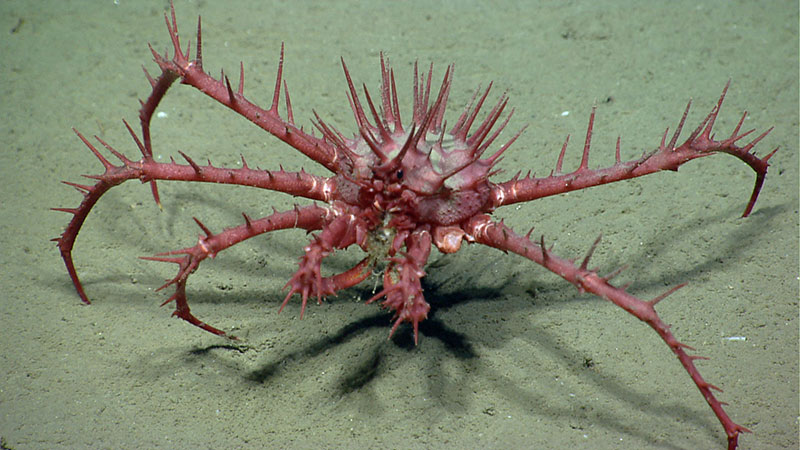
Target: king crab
394,191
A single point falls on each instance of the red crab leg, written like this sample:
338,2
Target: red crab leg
483,230
667,157
341,232
351,277
208,245
295,183
401,283
191,73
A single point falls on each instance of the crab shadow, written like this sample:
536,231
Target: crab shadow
455,342
464,348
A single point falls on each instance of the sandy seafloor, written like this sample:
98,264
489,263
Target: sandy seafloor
511,356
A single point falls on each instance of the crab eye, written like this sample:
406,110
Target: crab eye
399,174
